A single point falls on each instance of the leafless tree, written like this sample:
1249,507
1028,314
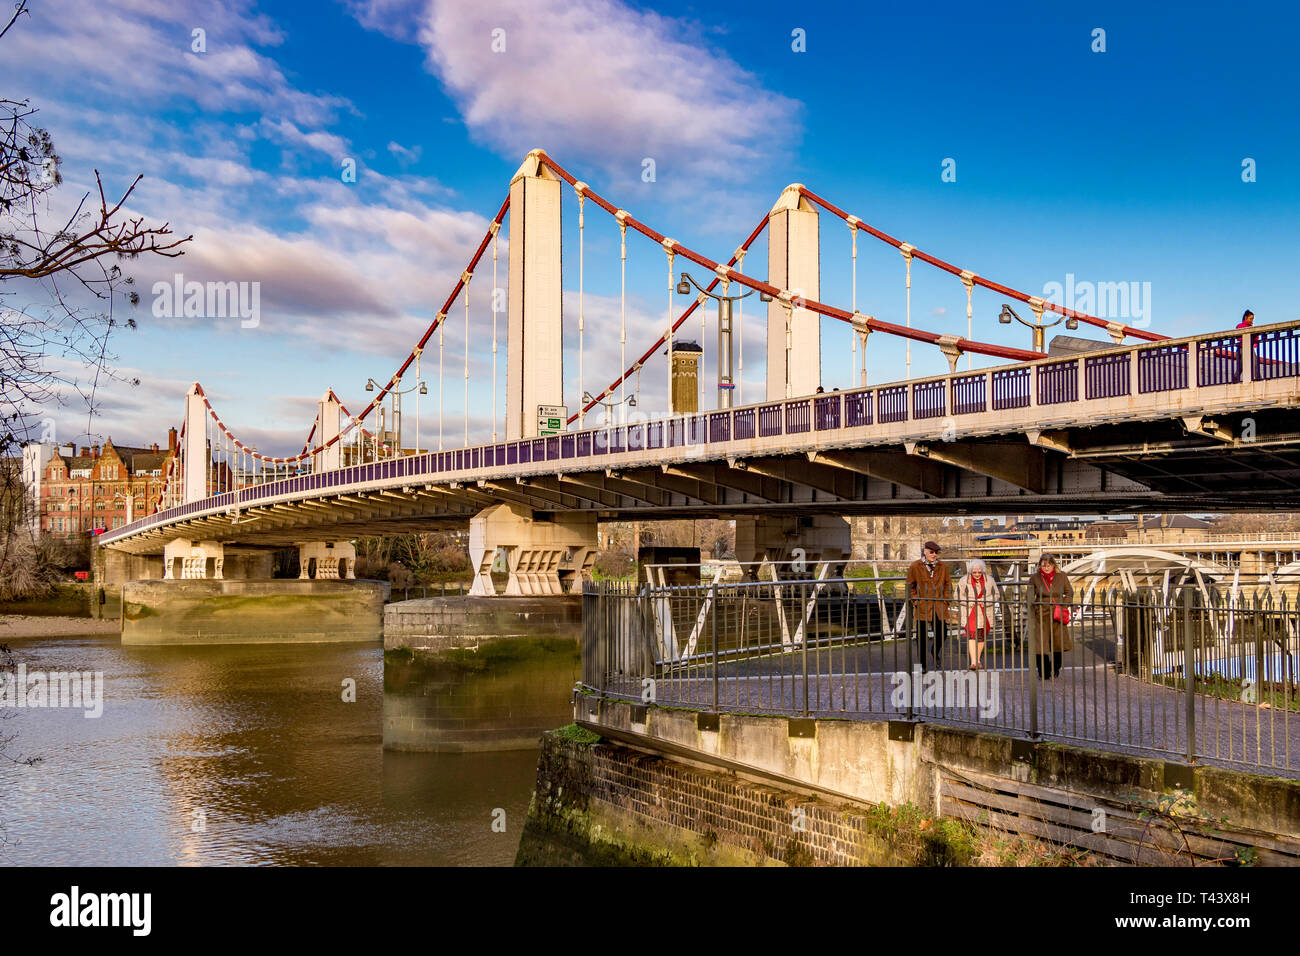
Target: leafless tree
62,288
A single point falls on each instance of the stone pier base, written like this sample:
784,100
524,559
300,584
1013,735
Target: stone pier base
478,673
252,612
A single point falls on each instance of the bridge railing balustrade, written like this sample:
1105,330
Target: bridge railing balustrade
1058,382
930,399
891,404
1275,354
970,393
826,412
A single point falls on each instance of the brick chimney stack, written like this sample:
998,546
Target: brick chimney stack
85,451
171,440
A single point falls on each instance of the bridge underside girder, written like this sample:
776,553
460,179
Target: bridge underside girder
1168,464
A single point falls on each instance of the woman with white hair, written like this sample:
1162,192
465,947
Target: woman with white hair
976,594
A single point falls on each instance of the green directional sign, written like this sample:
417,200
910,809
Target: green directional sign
551,419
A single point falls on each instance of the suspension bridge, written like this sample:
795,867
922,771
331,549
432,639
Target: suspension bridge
1136,420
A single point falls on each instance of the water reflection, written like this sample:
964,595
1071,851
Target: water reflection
242,754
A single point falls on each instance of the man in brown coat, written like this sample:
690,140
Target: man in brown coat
929,590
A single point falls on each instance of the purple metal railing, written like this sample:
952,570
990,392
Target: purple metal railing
636,437
1162,368
1218,361
720,426
697,430
891,404
970,394
1058,382
769,420
857,409
1275,354
930,399
655,436
826,412
1107,376
798,416
744,423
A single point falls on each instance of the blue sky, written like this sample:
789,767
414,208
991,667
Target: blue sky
1115,166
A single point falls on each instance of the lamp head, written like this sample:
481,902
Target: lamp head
631,401
764,297
1071,323
370,385
424,389
684,286
1006,315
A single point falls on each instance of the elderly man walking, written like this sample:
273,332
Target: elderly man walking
929,590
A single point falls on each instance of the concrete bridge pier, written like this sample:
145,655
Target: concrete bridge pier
541,557
327,560
189,560
815,539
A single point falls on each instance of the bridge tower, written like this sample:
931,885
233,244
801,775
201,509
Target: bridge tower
328,420
535,344
195,456
794,342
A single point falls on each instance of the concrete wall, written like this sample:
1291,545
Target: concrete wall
986,782
442,623
470,673
252,612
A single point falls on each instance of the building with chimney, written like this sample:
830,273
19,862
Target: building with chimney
100,488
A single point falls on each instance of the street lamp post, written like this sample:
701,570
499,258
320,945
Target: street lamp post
1039,329
588,398
395,414
726,383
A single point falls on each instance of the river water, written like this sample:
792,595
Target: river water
242,754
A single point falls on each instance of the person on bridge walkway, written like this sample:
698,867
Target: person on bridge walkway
1247,320
1050,595
977,593
929,588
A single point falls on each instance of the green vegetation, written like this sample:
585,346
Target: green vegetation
1270,694
572,733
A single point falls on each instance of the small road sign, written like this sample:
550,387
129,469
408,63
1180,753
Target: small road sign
551,419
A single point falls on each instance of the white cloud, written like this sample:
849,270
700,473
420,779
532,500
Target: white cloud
598,81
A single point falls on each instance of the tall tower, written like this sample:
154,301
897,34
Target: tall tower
686,377
794,343
535,343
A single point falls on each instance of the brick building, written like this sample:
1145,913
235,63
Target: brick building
101,487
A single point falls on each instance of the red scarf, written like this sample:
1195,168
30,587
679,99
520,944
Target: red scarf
1047,577
978,586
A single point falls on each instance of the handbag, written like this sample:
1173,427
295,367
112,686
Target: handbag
1061,614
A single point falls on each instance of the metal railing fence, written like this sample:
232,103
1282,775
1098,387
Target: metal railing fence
1184,673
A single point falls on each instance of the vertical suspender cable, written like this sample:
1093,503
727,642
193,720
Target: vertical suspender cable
621,216
496,227
906,249
853,370
467,277
442,331
740,332
668,332
582,323
418,386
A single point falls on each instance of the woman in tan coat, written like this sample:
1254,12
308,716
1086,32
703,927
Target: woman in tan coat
977,595
1050,596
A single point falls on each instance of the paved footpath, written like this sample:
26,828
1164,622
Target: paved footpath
1089,703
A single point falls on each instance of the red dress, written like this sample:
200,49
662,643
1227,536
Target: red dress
973,619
